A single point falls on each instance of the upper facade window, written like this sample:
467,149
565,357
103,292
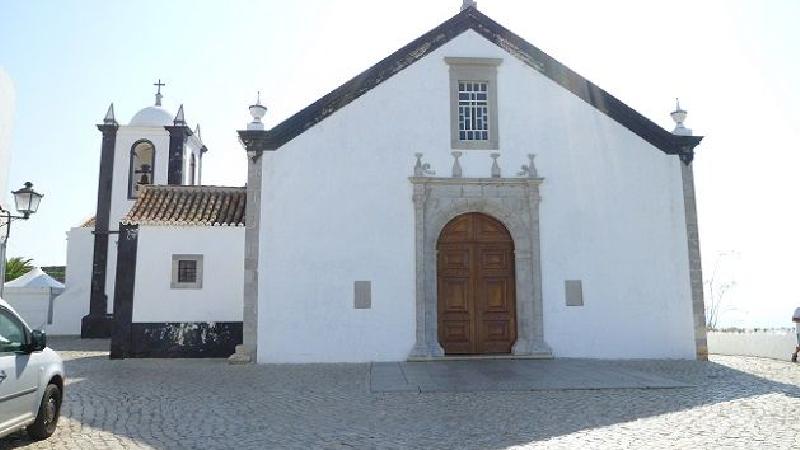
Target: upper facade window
473,111
143,155
473,103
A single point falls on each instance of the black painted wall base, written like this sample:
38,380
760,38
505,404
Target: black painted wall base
96,326
184,340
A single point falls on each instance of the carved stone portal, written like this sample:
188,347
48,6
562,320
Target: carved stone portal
512,201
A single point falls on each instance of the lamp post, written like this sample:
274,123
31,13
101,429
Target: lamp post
26,202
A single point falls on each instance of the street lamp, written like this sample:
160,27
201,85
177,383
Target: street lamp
26,201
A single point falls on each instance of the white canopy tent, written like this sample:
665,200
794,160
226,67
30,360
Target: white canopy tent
32,296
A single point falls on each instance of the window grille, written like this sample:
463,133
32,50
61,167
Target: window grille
187,271
473,111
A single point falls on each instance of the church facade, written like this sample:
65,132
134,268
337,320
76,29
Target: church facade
471,195
468,195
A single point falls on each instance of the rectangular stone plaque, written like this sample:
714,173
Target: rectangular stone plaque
362,294
574,292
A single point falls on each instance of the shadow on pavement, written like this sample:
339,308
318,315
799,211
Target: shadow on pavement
209,404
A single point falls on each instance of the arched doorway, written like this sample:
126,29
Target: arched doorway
476,298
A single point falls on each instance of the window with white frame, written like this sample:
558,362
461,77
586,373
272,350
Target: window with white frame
473,102
473,110
187,272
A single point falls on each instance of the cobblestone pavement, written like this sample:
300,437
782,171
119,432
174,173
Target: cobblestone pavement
207,404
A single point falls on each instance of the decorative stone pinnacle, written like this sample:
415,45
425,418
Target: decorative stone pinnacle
109,118
179,119
257,112
529,170
457,172
495,166
469,4
679,116
420,169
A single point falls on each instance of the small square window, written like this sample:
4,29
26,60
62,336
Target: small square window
187,272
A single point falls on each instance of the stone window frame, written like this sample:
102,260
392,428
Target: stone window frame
175,284
473,69
512,201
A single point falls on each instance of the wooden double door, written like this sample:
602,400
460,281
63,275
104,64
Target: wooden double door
476,303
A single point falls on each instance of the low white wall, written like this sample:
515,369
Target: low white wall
32,303
220,298
70,307
766,345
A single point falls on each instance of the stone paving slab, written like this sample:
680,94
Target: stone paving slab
511,375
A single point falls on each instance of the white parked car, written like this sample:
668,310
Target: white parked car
31,378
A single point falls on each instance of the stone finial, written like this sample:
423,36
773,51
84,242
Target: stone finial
109,118
679,116
197,133
420,169
179,120
469,4
457,172
257,112
495,166
529,170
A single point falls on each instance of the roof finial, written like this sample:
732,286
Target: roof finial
679,116
179,120
109,118
469,4
257,111
158,94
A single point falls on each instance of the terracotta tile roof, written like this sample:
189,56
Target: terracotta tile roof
189,205
471,18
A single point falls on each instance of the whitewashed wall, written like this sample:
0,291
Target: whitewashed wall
6,122
337,208
765,345
120,204
32,304
70,307
220,298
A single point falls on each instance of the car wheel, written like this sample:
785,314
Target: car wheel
45,424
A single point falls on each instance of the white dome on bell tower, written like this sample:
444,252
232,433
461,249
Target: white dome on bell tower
153,116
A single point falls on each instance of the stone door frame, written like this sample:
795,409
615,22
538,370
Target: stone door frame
512,201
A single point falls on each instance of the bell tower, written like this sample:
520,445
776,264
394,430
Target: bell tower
155,147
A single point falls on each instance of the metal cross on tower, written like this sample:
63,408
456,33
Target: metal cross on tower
158,94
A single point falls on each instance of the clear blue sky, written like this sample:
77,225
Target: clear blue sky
734,64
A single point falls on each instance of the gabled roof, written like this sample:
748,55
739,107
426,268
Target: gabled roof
472,19
188,205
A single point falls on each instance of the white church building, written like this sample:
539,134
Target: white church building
466,195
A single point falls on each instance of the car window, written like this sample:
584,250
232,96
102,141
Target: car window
12,334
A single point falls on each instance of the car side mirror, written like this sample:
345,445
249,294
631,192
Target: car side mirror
38,341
